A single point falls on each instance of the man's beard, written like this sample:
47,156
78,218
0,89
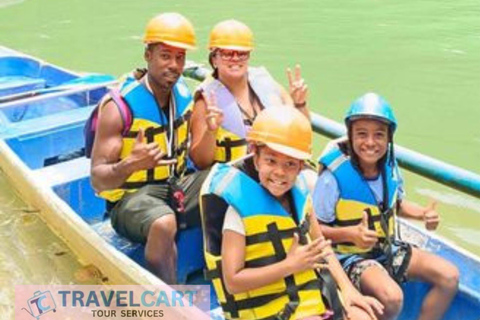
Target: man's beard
169,80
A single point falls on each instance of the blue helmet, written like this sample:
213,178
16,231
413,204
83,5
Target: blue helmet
372,106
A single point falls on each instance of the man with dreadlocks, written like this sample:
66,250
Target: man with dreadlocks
356,198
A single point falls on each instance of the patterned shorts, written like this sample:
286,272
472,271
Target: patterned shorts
355,265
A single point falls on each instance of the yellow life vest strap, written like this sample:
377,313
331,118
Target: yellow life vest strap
228,144
267,237
256,302
276,240
180,120
230,304
274,236
254,239
263,237
150,134
347,223
284,234
233,307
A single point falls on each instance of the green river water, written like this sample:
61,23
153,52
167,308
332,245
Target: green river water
423,56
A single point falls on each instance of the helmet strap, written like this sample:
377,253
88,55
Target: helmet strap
391,157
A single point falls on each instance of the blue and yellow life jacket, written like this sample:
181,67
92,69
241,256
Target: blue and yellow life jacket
269,233
148,115
357,197
230,138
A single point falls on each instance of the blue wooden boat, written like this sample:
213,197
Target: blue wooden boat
39,152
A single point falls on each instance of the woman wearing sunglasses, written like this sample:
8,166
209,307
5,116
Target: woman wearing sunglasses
227,103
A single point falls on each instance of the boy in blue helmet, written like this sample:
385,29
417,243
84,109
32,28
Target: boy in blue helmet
356,198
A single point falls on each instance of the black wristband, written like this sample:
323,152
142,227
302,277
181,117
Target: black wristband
300,105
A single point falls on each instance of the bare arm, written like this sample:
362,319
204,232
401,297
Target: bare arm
240,279
338,234
333,265
411,210
202,151
427,214
107,171
352,298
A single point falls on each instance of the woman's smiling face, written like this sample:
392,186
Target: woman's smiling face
231,63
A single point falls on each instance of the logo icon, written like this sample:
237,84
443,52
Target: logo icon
40,303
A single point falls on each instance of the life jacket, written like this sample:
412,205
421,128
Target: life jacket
148,115
230,138
269,234
356,197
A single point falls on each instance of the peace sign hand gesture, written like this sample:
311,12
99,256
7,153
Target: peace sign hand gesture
213,115
297,87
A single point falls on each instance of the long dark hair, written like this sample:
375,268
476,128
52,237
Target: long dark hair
211,55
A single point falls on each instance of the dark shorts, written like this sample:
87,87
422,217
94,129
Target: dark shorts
133,215
354,264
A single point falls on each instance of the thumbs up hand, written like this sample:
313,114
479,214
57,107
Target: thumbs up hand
430,216
364,237
140,136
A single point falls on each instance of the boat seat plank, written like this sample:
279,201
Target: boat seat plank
20,65
48,122
64,172
38,141
10,85
133,250
189,248
71,182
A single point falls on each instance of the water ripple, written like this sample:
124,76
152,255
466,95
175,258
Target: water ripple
7,3
459,200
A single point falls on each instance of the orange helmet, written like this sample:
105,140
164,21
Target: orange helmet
170,28
231,34
285,130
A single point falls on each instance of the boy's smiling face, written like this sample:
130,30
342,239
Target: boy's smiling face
369,141
277,172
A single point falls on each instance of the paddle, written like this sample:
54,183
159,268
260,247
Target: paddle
77,82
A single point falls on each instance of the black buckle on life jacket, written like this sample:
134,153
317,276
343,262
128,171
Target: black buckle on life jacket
303,229
387,244
288,311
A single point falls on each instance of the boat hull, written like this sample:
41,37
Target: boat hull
41,155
